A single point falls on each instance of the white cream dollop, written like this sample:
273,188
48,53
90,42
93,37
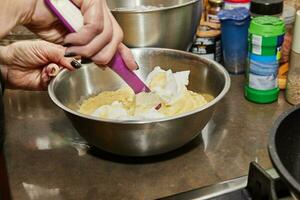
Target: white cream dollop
167,85
114,111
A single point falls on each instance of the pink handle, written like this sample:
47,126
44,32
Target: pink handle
116,64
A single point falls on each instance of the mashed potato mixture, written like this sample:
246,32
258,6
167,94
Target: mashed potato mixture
169,96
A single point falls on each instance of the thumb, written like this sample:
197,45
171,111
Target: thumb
48,72
52,70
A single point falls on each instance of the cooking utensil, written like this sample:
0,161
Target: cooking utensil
284,148
140,137
172,24
72,19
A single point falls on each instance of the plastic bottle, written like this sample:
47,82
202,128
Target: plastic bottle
234,28
293,80
266,36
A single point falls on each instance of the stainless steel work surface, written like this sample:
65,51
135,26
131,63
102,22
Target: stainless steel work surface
46,158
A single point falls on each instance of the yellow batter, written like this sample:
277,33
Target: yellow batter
169,97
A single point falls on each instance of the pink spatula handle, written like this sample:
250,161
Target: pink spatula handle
116,64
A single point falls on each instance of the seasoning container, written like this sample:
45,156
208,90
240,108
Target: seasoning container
212,10
266,8
293,80
234,28
265,39
208,41
231,4
204,11
289,19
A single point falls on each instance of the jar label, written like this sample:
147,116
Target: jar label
209,48
263,82
263,75
257,50
213,18
257,40
260,40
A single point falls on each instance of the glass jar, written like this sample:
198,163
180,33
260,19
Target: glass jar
293,80
289,19
212,10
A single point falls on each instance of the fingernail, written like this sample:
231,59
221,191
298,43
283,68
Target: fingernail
67,45
70,54
75,64
138,67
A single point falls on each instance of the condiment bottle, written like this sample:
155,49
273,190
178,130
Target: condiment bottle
266,35
293,80
289,19
212,10
266,8
234,28
208,41
231,4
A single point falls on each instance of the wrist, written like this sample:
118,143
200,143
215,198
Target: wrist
13,13
25,10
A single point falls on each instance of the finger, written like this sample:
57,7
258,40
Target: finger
93,14
55,54
98,43
45,79
52,70
127,56
123,50
107,53
83,36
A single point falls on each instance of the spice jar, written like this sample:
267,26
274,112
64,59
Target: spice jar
293,80
208,41
289,18
212,10
266,35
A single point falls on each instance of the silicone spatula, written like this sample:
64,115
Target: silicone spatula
71,17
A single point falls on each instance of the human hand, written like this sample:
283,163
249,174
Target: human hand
29,65
98,39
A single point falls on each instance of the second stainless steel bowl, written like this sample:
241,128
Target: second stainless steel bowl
146,137
171,26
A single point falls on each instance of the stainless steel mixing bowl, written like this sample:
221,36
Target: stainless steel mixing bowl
140,138
171,26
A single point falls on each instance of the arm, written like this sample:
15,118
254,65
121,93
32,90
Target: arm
14,12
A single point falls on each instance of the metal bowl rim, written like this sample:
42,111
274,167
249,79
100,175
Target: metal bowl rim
156,9
147,121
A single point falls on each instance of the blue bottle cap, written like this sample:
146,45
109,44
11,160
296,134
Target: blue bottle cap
238,14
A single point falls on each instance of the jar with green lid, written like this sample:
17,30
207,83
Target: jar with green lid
266,35
265,39
213,8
